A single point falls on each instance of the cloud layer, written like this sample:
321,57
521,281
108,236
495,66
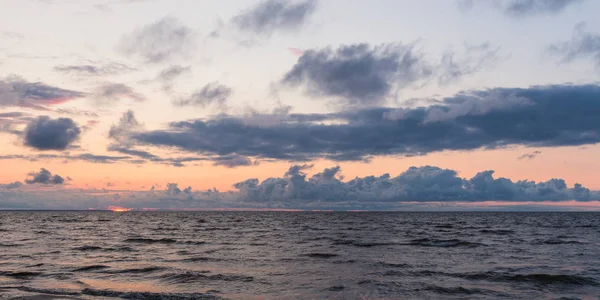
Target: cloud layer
425,185
539,116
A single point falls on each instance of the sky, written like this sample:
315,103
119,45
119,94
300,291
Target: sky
300,104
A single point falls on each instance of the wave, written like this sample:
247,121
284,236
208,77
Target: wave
539,278
137,270
150,241
557,241
187,277
61,292
459,290
20,274
497,231
320,255
88,248
124,295
362,244
91,268
7,245
443,243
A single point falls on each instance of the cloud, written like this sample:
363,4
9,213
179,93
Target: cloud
421,184
538,116
582,45
158,42
358,73
523,8
531,155
112,92
44,133
121,142
234,161
212,93
44,177
15,91
453,67
87,157
168,75
91,70
419,187
12,185
271,16
362,74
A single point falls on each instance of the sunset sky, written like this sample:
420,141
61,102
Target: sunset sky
299,104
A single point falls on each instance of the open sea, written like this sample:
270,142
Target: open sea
299,255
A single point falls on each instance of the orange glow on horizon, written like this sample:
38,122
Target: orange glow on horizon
119,209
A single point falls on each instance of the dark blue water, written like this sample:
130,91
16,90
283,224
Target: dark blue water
299,255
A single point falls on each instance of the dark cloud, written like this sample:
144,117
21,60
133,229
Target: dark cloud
120,135
12,185
44,133
358,73
15,91
44,177
582,45
92,70
212,93
112,92
538,116
523,8
531,155
423,184
234,161
270,16
87,157
362,74
158,42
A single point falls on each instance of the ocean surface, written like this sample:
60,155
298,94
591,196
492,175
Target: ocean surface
299,255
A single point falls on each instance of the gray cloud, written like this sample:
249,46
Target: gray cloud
87,157
158,42
531,155
523,8
12,185
362,74
44,133
423,184
270,16
92,70
44,177
582,45
358,73
453,67
538,116
212,93
168,75
424,187
15,91
520,8
234,161
112,92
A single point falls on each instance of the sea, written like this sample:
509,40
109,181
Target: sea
299,255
